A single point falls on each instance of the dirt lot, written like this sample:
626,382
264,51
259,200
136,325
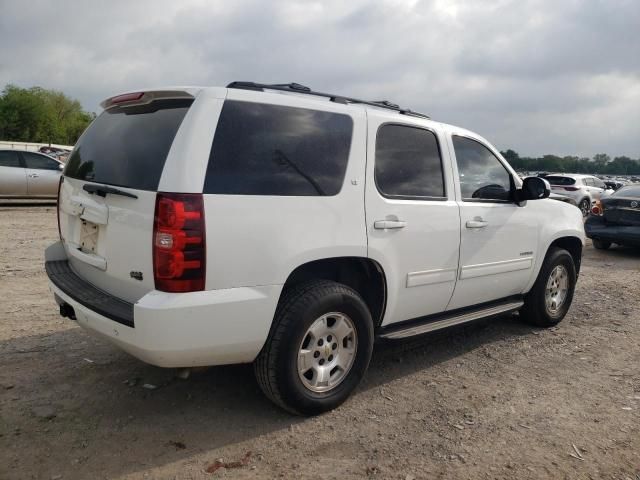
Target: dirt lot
494,399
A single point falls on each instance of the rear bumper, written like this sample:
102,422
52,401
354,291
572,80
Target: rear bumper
596,227
171,329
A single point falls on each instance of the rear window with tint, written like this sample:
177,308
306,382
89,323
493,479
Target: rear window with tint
261,149
560,180
128,146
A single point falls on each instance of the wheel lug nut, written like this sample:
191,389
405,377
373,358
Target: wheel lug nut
320,342
330,357
321,362
334,346
316,354
329,338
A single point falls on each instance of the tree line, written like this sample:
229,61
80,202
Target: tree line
600,164
41,116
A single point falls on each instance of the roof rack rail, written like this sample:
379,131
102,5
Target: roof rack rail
297,88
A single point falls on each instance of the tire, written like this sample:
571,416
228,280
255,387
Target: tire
276,367
601,244
585,206
536,310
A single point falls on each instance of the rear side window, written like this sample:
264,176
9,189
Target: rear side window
9,159
33,160
560,180
408,163
128,146
261,149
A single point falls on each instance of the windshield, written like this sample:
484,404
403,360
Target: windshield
628,191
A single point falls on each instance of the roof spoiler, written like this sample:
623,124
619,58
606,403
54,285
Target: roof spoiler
145,97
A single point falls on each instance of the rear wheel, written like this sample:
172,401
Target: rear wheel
585,206
550,298
318,350
601,244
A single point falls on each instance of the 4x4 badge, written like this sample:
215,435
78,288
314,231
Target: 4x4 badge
634,204
136,275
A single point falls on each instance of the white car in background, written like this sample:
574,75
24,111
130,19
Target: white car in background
28,174
583,189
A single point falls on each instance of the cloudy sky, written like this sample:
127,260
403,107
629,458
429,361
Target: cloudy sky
538,76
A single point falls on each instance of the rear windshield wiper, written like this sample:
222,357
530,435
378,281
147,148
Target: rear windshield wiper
102,190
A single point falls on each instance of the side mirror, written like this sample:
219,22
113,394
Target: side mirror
60,166
534,188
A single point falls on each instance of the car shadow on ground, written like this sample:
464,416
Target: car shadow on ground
624,257
100,394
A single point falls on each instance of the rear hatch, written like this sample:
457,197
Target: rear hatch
623,207
108,194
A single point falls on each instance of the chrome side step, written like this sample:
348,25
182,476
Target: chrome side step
448,321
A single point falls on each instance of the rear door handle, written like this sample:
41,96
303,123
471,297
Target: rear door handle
388,224
476,223
34,175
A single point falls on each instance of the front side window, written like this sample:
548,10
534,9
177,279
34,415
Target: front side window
261,149
408,163
9,159
482,175
33,160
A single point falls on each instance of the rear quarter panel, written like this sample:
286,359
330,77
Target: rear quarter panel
259,240
556,220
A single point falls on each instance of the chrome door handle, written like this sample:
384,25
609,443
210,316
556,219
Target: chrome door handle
476,223
34,175
388,224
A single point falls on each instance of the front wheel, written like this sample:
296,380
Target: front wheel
318,350
550,298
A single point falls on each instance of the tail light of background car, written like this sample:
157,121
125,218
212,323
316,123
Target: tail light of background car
179,250
597,209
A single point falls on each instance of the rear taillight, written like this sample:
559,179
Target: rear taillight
571,189
58,206
179,252
597,208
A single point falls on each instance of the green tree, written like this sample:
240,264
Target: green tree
39,115
600,160
601,163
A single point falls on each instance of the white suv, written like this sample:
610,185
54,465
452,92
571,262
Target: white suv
583,189
289,228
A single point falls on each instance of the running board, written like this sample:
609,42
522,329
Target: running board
449,320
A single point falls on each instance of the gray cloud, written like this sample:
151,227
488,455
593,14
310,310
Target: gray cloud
539,76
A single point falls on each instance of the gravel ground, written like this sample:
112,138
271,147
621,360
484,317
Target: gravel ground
496,399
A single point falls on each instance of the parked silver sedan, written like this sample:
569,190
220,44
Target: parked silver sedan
28,175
